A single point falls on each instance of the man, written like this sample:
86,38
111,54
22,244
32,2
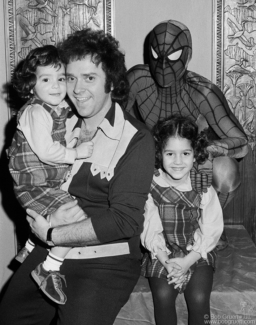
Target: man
111,188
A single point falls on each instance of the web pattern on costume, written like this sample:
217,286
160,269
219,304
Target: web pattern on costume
166,87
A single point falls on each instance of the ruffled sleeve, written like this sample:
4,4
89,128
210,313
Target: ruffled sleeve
211,224
152,236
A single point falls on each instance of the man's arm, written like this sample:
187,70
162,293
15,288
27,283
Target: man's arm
123,218
74,234
77,234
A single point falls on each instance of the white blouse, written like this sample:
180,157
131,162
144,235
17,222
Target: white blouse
36,124
206,237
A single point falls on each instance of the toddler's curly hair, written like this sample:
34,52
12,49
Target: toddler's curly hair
24,77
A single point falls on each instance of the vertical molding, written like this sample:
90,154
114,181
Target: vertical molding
7,228
109,16
10,39
217,66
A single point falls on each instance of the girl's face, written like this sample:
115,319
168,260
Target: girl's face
178,159
51,84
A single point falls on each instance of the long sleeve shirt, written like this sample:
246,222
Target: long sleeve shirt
112,185
42,131
205,237
36,123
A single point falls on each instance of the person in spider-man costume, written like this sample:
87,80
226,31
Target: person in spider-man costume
165,87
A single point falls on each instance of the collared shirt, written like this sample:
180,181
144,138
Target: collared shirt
112,185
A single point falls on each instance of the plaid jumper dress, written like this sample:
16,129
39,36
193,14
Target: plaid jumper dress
36,184
179,213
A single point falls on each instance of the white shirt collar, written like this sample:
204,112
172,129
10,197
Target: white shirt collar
184,187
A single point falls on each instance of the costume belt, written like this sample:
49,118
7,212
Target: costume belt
98,251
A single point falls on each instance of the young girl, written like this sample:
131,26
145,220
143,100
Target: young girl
181,227
42,151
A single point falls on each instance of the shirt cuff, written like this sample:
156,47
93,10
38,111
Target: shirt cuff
71,155
158,245
198,246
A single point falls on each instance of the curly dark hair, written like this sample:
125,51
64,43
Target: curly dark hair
103,48
184,127
24,77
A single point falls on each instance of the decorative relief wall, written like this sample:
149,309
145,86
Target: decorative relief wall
34,23
235,73
235,61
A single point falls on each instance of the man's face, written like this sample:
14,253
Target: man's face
86,88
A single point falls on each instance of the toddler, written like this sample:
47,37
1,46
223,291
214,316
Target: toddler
42,152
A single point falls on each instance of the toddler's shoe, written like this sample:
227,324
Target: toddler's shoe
22,255
51,283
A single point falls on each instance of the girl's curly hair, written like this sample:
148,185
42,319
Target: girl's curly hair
184,127
103,48
24,77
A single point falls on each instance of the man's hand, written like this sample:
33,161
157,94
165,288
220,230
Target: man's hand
38,224
67,213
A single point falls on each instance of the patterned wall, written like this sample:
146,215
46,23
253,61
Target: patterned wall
235,74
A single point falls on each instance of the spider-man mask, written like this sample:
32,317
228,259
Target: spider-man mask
170,52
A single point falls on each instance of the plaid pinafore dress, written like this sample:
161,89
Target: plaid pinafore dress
179,213
32,175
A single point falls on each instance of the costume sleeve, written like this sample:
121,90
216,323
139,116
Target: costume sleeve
213,106
152,236
139,77
36,124
128,191
211,224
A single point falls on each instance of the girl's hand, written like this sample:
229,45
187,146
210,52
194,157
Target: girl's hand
185,263
184,266
84,150
172,267
177,281
175,275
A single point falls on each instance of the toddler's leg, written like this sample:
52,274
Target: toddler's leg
47,275
55,258
25,251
